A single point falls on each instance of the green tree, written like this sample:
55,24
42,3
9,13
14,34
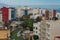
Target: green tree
35,37
24,24
38,19
27,23
54,18
30,24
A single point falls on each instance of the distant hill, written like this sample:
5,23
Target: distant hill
1,5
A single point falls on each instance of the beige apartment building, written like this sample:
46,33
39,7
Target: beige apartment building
44,30
35,11
19,12
50,14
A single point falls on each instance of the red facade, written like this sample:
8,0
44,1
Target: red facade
5,15
54,13
43,15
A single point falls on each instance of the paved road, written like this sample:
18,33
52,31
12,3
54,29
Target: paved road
55,28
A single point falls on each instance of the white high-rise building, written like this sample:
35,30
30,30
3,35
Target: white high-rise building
36,30
40,12
36,13
27,10
9,14
42,30
1,19
30,11
0,16
43,11
19,12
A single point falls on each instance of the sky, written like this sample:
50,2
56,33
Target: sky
31,2
49,3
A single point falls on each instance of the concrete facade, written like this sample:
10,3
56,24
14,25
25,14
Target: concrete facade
45,31
50,14
9,14
0,16
19,12
36,30
26,10
36,11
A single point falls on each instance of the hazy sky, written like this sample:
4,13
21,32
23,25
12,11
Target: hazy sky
52,3
31,2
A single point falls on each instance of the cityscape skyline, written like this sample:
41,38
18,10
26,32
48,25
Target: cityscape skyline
29,19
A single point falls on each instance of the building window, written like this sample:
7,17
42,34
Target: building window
36,27
36,31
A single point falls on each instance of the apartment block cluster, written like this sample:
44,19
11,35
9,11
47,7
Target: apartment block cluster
10,13
40,28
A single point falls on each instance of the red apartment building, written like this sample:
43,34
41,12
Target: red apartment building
54,13
45,13
5,13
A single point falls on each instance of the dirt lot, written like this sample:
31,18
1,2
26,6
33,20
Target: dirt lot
3,34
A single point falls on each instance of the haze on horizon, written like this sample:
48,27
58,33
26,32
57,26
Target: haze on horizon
37,3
